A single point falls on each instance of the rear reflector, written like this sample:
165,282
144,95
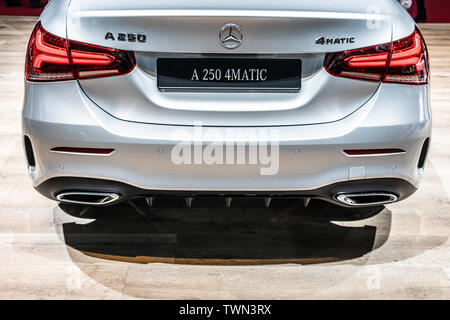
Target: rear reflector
51,58
373,152
403,61
88,151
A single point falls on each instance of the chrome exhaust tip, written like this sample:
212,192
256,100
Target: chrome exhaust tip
367,199
88,198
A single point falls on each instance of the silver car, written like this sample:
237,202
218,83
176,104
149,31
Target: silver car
133,99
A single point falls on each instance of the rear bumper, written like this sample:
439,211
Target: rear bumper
52,187
311,161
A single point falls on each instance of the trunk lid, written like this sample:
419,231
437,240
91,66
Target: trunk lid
180,29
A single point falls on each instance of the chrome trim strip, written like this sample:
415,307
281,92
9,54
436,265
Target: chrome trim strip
347,198
108,198
231,13
225,90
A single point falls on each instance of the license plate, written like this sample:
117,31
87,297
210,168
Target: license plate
229,74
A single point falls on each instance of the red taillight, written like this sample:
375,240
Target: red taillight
409,61
91,61
403,61
367,63
47,57
51,58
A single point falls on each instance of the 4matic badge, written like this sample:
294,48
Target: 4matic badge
330,41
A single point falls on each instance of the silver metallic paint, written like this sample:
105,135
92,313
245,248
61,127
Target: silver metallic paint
327,116
138,160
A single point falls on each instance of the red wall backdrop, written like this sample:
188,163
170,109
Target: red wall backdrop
437,10
24,10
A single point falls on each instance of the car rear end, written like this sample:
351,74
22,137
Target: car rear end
338,95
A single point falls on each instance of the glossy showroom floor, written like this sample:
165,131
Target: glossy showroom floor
208,252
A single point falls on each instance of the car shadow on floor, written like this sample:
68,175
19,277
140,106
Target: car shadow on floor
209,233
